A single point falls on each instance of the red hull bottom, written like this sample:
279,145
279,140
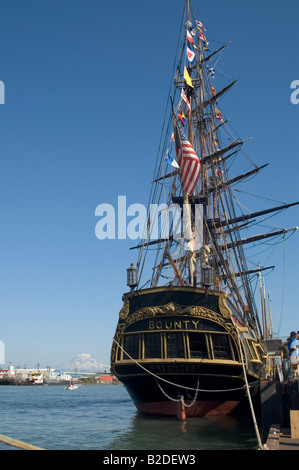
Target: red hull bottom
199,408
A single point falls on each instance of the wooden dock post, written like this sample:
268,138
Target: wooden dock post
19,444
294,424
273,437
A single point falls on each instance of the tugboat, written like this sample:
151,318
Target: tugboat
191,342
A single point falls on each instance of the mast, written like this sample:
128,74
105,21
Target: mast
222,250
263,312
199,107
190,131
270,317
192,254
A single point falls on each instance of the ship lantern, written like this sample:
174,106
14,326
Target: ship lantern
132,280
207,276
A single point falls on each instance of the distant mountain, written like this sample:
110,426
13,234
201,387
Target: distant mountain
85,363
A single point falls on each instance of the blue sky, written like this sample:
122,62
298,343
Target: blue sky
86,84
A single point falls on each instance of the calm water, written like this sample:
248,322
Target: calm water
102,417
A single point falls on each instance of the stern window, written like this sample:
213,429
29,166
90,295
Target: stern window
198,345
152,345
131,346
175,345
221,347
252,350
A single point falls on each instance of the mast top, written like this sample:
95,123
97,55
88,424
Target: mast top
188,9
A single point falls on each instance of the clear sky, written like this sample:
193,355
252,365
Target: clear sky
86,84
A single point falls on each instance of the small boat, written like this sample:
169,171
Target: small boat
71,387
39,379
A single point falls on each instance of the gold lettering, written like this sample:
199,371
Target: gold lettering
173,324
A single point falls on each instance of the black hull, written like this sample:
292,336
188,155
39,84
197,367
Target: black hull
208,391
9,382
156,397
205,375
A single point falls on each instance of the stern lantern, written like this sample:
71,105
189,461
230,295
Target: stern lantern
132,280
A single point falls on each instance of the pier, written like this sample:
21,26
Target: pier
280,414
281,439
279,401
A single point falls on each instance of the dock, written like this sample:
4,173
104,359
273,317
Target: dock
281,439
280,414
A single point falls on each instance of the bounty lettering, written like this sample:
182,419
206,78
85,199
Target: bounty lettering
173,325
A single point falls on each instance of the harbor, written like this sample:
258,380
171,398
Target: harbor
144,225
111,422
272,423
48,376
104,418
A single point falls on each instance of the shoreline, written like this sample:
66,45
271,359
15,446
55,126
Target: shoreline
80,381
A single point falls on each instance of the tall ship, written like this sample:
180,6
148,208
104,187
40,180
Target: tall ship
190,340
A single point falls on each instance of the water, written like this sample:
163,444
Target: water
102,417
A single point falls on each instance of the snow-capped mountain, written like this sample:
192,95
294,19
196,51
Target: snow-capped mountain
85,363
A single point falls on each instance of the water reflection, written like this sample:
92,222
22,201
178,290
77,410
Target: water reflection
217,433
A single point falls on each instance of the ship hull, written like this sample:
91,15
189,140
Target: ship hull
198,409
177,352
195,395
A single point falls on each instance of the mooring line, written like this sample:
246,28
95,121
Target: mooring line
260,445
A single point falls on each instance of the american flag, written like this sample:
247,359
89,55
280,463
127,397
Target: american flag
188,161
